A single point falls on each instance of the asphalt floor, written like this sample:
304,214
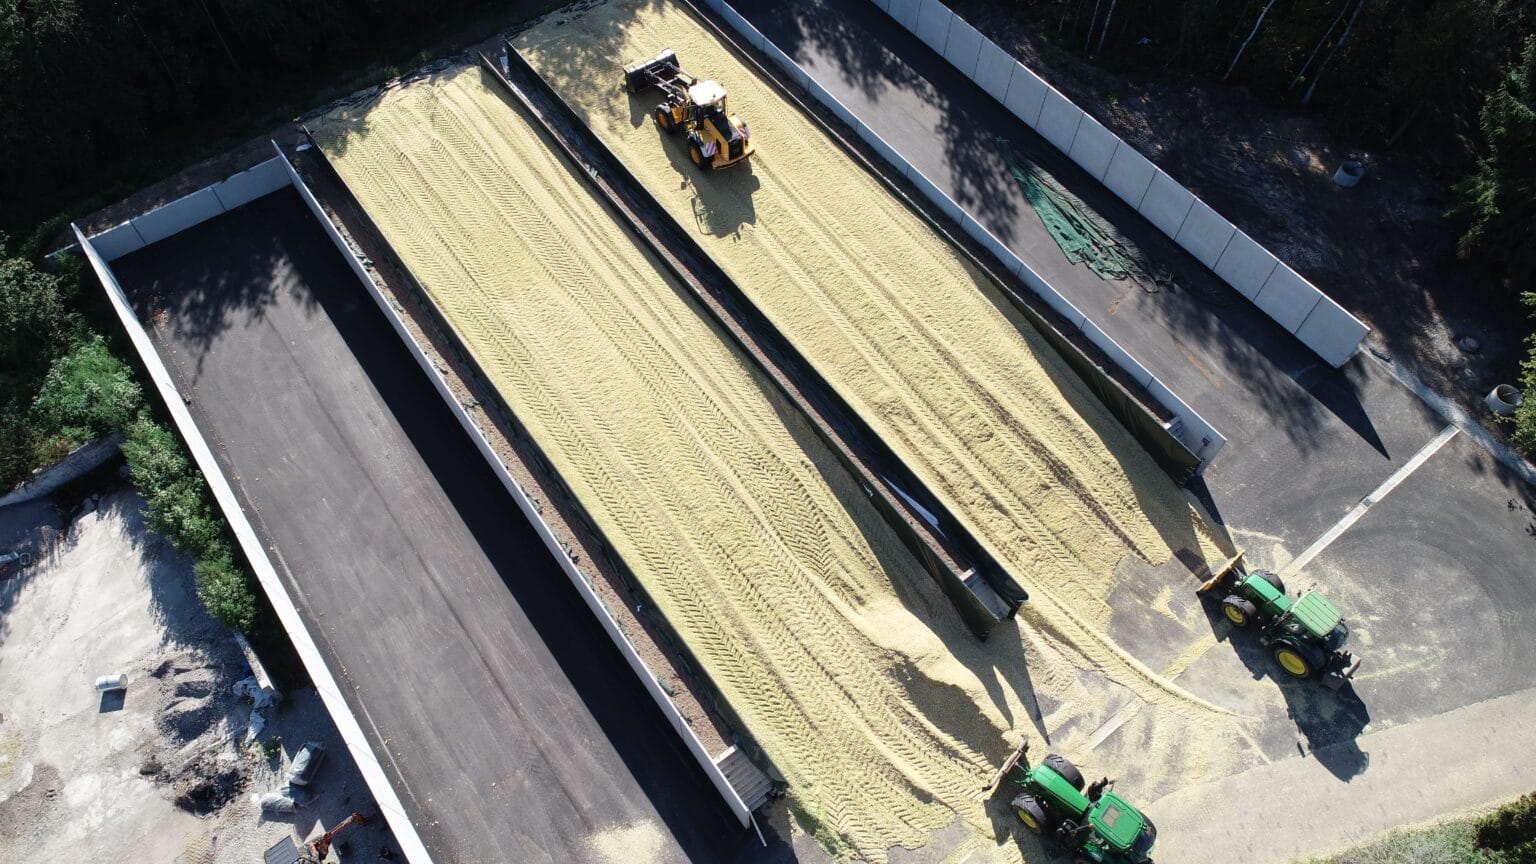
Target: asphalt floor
510,725
1430,577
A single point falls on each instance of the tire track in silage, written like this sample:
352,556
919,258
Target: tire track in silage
849,822
1072,629
1046,608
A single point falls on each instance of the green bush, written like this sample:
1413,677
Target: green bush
225,588
181,510
178,505
1451,843
1509,833
87,393
1525,415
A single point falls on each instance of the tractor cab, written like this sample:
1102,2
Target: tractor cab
1313,617
1119,827
706,95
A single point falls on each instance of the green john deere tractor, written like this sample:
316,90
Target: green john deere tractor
1306,635
1090,822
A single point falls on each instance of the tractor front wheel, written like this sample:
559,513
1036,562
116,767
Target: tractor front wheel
1238,610
1032,813
1066,769
1295,659
1275,580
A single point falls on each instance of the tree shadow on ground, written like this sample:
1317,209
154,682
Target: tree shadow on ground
176,283
854,42
36,529
1294,387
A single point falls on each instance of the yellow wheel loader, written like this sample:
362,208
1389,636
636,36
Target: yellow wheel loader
695,106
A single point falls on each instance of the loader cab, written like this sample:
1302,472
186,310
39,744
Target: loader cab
707,102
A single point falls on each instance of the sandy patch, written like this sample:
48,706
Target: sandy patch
156,769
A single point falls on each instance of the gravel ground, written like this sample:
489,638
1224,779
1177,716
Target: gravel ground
158,770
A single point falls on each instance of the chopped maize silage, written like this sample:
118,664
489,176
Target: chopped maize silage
844,661
922,344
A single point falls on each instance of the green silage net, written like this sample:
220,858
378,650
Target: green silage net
1084,236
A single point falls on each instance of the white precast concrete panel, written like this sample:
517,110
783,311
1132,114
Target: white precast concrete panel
823,96
1119,356
716,4
790,67
1059,120
905,12
994,67
1166,204
935,194
1093,147
1045,292
963,47
1129,174
884,149
742,26
1332,332
1245,265
1200,437
1287,298
250,184
885,5
933,21
1205,234
117,241
999,250
1026,95
178,215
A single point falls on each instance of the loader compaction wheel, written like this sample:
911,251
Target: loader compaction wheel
697,157
664,118
1238,610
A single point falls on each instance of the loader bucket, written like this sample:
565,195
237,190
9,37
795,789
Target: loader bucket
646,73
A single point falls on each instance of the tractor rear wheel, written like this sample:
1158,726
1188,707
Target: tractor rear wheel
1033,814
1298,661
664,118
1066,769
1238,610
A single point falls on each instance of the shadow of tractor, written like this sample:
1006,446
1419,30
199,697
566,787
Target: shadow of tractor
1329,722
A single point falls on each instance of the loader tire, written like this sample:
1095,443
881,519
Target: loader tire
664,118
697,157
1066,769
1238,610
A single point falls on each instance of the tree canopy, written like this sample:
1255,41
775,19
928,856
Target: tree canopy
89,87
